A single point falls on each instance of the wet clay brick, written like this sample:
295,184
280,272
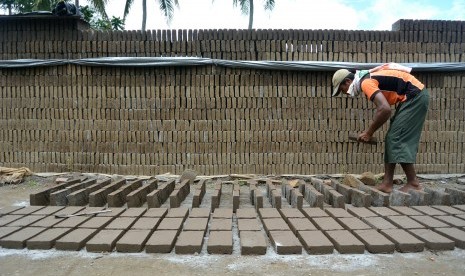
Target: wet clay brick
46,239
428,210
315,242
345,242
121,223
361,212
221,225
447,209
223,213
246,213
47,222
455,234
266,213
104,241
196,224
200,213
252,243
5,231
327,223
374,241
171,224
429,222
180,212
404,241
134,212
406,211
314,212
379,223
353,224
156,212
71,222
161,241
9,209
70,210
300,224
338,213
26,221
96,222
27,210
7,219
133,241
275,224
291,213
433,240
49,210
285,242
112,212
460,207
189,242
248,225
146,223
384,211
17,240
220,242
451,220
75,240
404,222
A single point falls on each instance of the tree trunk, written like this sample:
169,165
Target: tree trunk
144,14
250,14
76,2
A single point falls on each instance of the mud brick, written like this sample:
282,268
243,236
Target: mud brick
216,197
252,189
253,243
200,213
379,223
118,197
374,241
404,241
59,198
161,241
404,222
337,199
447,209
43,197
318,184
104,241
314,212
360,198
428,210
451,220
70,210
429,222
433,240
285,242
113,212
75,240
313,197
220,242
99,197
456,196
97,222
26,221
197,198
384,211
17,240
223,213
138,197
353,224
291,213
9,209
134,212
5,220
156,212
221,224
236,200
171,224
133,241
438,197
269,188
175,199
6,230
407,211
344,190
276,199
47,222
121,223
47,238
419,198
345,242
378,198
268,213
455,234
27,210
315,242
145,223
246,213
275,224
361,212
297,199
81,197
49,210
181,212
338,213
460,207
189,242
196,224
155,199
248,224
258,199
326,224
326,191
300,224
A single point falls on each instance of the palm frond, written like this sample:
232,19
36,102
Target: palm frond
127,7
269,5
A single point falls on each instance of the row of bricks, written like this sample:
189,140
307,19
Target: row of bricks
337,224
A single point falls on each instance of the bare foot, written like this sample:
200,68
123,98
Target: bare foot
410,186
385,187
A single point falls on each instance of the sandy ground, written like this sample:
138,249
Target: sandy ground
53,262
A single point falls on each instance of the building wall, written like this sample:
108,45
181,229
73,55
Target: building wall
217,120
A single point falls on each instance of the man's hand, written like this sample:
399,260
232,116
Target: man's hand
364,137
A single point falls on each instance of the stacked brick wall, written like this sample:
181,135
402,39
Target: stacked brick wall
217,120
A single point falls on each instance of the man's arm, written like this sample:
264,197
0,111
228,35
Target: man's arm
383,113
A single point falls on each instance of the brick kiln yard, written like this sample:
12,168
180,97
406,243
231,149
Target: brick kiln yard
297,238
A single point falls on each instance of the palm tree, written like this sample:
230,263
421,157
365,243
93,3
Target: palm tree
166,6
247,8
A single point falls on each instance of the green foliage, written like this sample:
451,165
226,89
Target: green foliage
97,22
